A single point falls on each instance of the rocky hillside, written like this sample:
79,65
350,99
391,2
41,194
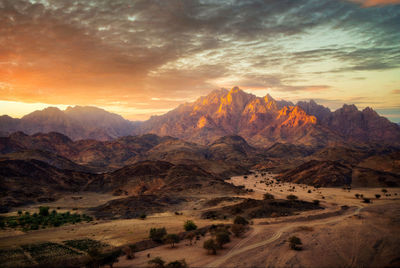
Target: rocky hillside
261,121
265,121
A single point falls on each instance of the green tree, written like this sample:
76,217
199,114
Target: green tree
210,246
172,239
156,262
44,211
189,226
157,234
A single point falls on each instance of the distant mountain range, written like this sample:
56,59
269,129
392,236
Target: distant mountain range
261,121
75,122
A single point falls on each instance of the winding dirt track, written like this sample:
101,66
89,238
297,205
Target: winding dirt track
238,249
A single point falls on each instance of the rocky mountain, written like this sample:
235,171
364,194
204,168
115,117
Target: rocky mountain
355,126
266,121
261,121
75,122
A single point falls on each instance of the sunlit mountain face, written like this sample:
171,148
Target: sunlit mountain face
143,58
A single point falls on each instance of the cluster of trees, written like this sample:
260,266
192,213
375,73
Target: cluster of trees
43,219
160,235
220,235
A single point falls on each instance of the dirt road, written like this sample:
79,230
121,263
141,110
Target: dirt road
238,249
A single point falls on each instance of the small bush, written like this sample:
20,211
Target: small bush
366,200
157,234
357,196
378,196
240,220
210,246
268,196
238,229
172,239
156,262
292,197
222,237
189,226
316,202
294,243
384,191
43,211
177,264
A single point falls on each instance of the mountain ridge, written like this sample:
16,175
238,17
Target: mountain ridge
262,121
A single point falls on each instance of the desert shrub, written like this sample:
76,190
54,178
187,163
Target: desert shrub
240,220
189,226
210,246
268,196
384,191
378,196
294,243
238,229
143,216
172,239
109,258
222,238
309,191
245,177
357,195
177,264
157,234
316,202
130,251
190,236
44,211
292,197
156,262
366,200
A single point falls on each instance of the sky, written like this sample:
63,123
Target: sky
142,58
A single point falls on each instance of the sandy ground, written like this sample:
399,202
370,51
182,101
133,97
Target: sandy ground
364,235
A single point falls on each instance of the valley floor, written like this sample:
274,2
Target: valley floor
361,235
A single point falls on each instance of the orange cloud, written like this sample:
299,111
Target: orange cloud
370,3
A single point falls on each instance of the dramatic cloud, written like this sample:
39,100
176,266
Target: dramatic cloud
146,56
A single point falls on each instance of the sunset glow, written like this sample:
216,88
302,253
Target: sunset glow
142,58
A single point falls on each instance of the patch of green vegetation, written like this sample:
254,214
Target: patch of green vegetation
43,219
84,244
49,252
14,258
